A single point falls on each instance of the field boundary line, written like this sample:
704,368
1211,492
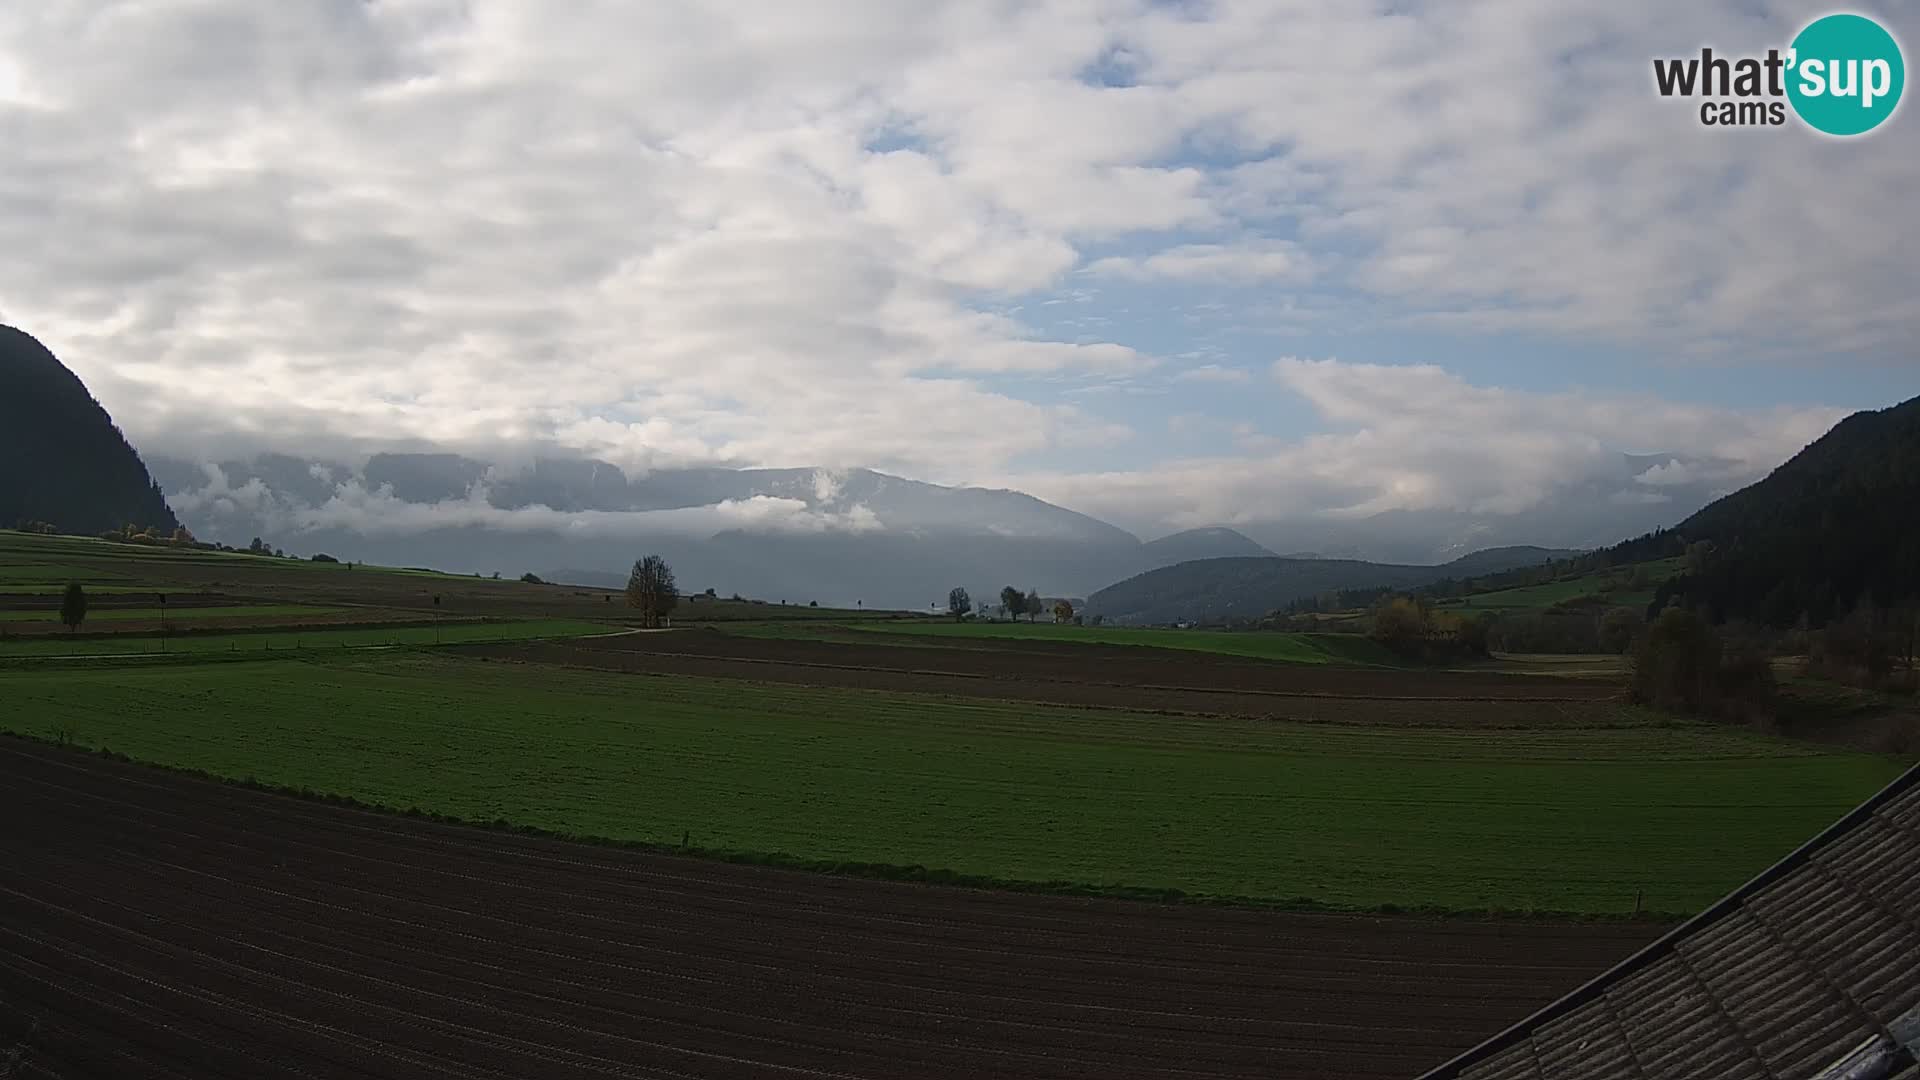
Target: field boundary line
1166,688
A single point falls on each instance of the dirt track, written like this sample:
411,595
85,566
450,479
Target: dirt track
157,925
1131,678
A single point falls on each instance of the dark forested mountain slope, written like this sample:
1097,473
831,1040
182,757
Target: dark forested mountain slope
1838,525
1210,590
62,460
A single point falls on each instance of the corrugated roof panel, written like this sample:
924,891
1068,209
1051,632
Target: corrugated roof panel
1904,810
1860,946
1587,1044
1879,858
1677,1029
1514,1063
1816,1054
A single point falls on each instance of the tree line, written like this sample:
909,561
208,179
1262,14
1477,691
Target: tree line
1014,603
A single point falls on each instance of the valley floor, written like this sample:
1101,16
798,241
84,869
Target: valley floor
158,925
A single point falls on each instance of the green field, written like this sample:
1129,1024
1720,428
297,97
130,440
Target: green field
1560,820
44,565
304,638
237,611
1258,644
1610,583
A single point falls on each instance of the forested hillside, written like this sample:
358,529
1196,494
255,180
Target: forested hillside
62,460
1231,589
1835,528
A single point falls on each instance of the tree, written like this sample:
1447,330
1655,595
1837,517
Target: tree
531,578
1400,621
258,547
959,603
181,535
1475,633
650,589
1618,628
1033,604
1062,611
1675,662
324,557
73,606
1012,602
1699,556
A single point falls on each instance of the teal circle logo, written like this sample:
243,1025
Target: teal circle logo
1845,74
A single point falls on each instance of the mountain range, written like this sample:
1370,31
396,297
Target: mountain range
841,537
796,535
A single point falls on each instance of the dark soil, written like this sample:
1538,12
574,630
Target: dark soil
154,924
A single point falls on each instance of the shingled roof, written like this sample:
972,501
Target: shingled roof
1811,971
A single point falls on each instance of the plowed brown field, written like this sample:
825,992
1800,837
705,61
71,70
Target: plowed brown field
152,924
1121,677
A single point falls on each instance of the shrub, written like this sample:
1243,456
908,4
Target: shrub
1676,662
1474,632
1618,627
1681,664
324,557
1400,621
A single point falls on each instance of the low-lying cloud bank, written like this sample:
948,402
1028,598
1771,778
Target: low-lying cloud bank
377,512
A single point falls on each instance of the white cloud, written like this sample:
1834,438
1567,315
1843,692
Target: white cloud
1421,438
791,232
1246,263
378,512
1213,373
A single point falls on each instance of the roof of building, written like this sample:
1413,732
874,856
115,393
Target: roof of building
1811,970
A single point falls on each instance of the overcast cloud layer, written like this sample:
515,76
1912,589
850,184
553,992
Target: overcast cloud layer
844,233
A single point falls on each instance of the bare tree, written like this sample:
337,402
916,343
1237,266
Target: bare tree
959,603
1033,605
651,591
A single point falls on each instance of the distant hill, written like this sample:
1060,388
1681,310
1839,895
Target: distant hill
1207,590
1837,525
1495,560
1217,542
62,460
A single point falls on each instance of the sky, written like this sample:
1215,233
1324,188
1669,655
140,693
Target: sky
1170,263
